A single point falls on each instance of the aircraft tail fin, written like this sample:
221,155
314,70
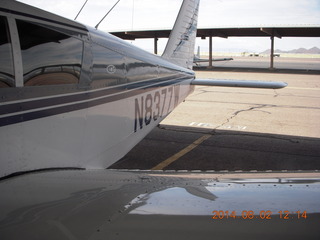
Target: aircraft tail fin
180,46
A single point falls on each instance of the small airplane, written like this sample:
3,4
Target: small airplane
75,97
74,100
197,59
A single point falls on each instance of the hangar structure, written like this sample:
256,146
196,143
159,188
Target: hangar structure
225,32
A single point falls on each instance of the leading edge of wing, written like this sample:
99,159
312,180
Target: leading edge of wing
238,83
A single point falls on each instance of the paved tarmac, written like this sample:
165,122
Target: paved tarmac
237,129
263,63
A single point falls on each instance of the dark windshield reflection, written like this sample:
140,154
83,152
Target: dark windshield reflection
49,57
6,61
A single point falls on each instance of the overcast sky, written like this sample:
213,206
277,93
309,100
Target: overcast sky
161,14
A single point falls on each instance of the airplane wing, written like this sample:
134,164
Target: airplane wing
221,59
113,204
238,83
123,93
197,60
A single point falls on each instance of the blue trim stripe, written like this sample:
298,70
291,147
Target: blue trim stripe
80,96
89,99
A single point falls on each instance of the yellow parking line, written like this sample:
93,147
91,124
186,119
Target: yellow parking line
183,152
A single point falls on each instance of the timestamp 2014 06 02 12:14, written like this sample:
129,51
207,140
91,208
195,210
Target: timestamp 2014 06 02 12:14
263,214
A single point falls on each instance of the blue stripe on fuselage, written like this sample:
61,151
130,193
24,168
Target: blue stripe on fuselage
88,98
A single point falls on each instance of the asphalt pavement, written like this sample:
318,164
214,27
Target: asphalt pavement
237,129
262,64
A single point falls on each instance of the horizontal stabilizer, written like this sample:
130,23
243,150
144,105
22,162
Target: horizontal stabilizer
238,83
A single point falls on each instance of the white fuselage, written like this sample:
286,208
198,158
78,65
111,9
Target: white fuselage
76,97
92,138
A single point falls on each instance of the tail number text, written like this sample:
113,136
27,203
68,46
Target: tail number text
154,105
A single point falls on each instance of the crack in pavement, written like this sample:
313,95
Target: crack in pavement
214,131
235,114
247,103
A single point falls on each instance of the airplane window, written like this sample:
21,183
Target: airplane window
49,57
6,60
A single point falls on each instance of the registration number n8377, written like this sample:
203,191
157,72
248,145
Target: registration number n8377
154,105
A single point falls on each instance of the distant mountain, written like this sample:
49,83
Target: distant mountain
313,50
